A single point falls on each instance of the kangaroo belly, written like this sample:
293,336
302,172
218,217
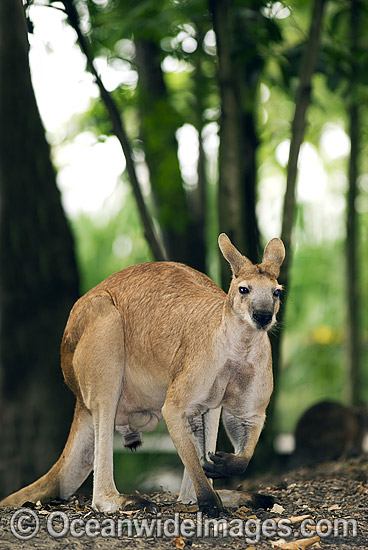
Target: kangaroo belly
142,397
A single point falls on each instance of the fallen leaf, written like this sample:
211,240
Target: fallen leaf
300,544
186,508
333,507
80,507
277,543
293,519
244,509
179,542
298,519
277,509
128,512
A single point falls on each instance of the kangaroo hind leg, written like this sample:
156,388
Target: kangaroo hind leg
99,363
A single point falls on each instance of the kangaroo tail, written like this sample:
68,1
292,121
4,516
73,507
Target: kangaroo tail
70,470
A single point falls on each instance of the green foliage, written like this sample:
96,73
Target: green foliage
314,342
139,471
105,246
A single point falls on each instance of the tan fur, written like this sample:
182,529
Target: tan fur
162,340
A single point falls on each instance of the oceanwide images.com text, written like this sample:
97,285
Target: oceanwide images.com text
26,524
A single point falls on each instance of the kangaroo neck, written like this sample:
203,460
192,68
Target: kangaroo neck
237,333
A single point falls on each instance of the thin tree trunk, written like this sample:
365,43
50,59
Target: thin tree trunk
156,246
353,381
198,195
183,238
38,277
230,195
302,102
250,144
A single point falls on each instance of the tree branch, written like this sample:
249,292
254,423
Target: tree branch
303,95
117,124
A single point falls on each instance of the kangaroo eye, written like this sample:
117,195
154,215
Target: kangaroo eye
277,293
243,290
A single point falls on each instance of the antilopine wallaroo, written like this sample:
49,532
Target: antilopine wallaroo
162,340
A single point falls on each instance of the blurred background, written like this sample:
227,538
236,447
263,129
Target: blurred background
135,131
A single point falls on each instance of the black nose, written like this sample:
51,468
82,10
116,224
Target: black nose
263,318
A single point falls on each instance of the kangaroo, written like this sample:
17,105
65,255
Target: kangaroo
161,340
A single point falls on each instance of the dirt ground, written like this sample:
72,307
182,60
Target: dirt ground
309,501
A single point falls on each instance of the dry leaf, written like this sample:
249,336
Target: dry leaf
244,509
277,509
186,508
277,543
79,507
300,544
298,519
179,542
333,507
128,512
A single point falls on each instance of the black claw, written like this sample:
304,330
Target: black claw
214,471
216,458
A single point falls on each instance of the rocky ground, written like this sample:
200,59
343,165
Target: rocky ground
313,507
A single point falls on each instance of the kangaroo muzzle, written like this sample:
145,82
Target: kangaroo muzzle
262,318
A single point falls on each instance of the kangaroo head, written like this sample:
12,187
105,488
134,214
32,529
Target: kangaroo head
254,293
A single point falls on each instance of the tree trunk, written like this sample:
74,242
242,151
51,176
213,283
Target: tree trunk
238,138
198,195
249,175
159,123
230,196
248,67
303,96
38,278
353,381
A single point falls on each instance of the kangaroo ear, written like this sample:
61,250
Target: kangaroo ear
231,254
273,256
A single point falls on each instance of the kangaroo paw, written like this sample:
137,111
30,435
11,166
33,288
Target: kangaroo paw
223,464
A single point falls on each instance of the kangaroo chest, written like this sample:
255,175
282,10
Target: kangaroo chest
239,386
